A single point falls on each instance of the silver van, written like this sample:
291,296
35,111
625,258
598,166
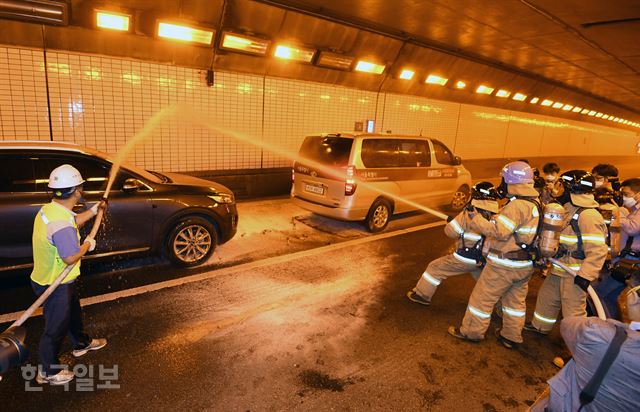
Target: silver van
372,176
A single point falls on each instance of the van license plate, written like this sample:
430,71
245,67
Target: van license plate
319,190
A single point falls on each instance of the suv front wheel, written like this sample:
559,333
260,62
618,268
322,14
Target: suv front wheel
191,241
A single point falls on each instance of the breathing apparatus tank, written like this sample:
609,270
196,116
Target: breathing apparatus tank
552,225
611,214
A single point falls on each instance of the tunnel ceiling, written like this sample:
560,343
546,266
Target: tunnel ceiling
579,52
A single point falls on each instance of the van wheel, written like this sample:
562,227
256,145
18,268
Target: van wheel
191,241
460,198
378,216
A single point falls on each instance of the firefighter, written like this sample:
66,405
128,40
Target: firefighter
628,262
469,256
509,263
605,175
583,248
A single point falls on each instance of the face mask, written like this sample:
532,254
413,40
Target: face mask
550,178
628,201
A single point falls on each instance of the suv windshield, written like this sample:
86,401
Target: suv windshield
327,150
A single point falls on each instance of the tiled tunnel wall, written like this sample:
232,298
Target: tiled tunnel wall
103,101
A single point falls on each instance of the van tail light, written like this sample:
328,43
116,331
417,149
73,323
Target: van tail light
350,183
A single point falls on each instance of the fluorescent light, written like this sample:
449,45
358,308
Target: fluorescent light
435,79
335,60
503,93
111,20
407,74
557,105
519,97
296,53
460,84
482,89
369,67
535,100
547,102
605,117
598,114
184,33
584,111
576,109
243,43
591,113
567,107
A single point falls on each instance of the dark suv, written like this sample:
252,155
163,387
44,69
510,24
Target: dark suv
149,212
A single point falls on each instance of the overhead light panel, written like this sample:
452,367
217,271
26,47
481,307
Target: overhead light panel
534,100
598,115
567,107
435,79
184,33
519,97
605,117
112,20
460,84
335,60
295,53
407,74
557,105
547,102
584,111
503,93
576,109
244,43
369,67
482,89
591,113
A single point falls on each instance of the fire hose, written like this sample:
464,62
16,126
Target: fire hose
592,293
13,351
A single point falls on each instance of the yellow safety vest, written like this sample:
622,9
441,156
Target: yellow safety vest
47,263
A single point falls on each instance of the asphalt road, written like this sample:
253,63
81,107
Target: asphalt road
325,329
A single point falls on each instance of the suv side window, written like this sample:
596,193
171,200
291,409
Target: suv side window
414,153
16,174
378,153
443,154
93,171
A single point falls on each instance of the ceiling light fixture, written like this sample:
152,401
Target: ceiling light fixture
244,43
407,74
369,67
503,93
519,97
295,53
112,20
435,79
546,102
482,89
184,33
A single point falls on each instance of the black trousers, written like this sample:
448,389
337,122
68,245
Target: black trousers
62,316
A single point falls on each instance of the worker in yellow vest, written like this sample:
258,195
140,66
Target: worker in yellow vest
56,244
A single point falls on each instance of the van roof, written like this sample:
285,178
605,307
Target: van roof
360,134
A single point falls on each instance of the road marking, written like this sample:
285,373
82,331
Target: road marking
10,317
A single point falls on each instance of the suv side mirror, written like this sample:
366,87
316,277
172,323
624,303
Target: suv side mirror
131,185
457,160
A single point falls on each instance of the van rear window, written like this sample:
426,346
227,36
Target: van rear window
330,150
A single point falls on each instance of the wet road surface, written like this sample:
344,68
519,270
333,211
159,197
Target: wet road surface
324,331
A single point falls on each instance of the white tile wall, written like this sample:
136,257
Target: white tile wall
103,102
23,99
294,109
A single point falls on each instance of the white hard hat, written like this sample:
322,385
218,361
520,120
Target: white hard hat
65,176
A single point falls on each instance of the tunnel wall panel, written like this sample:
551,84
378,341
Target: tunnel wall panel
103,101
23,95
